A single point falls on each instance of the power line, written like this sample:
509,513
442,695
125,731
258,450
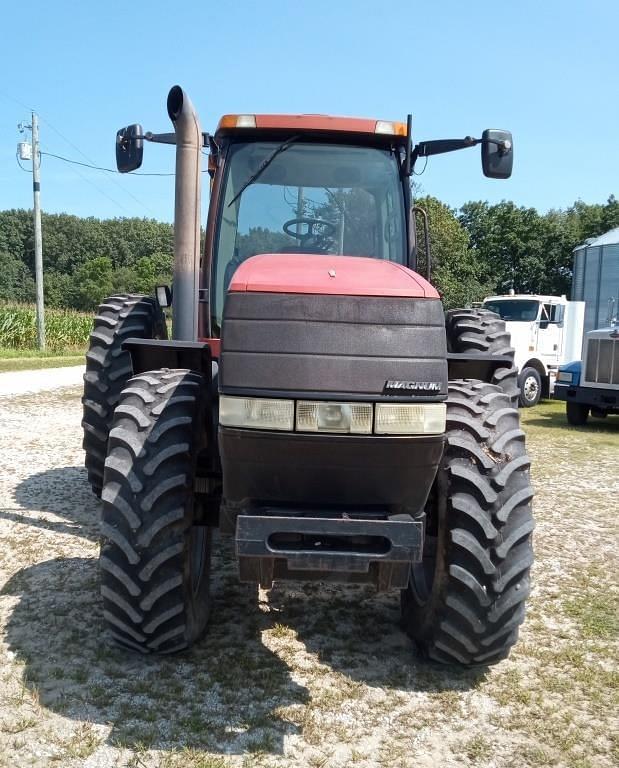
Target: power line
79,151
77,172
99,167
20,165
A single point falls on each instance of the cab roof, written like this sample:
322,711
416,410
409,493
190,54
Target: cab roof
243,124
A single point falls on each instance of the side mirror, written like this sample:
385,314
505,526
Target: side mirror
163,294
129,148
497,153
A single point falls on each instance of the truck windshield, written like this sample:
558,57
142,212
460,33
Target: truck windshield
514,310
311,198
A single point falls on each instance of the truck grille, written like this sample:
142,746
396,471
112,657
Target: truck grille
602,365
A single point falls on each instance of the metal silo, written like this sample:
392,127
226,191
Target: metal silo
596,278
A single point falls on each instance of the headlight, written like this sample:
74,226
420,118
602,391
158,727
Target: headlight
256,413
403,419
327,416
351,418
565,377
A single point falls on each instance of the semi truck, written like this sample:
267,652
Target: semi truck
546,332
591,386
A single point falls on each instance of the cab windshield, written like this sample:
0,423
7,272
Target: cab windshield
310,198
514,310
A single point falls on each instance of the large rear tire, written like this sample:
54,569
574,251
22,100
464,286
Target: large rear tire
466,600
108,368
154,563
483,331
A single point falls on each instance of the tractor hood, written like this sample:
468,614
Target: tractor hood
341,327
329,275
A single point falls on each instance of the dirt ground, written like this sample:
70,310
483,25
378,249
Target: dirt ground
312,675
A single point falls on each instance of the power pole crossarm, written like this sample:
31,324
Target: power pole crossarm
38,238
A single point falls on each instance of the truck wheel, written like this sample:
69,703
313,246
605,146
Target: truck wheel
466,600
577,413
480,330
154,563
108,368
530,383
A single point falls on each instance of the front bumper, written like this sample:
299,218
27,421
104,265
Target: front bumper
596,397
279,544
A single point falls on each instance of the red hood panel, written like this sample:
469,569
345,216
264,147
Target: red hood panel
338,275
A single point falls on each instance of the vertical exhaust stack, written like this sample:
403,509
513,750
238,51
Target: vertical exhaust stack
186,215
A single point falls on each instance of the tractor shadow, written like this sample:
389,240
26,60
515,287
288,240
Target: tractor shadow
356,632
228,693
220,697
63,492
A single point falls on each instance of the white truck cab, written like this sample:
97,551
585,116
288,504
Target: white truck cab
546,331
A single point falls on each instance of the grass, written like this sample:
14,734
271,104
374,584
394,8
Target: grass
34,359
550,415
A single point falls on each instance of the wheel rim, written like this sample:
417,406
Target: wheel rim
530,389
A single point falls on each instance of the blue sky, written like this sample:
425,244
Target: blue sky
546,70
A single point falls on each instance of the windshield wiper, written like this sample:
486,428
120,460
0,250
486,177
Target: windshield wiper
263,166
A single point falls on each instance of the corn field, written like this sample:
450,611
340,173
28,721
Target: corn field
64,328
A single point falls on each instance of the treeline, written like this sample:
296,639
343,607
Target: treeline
482,249
476,250
84,260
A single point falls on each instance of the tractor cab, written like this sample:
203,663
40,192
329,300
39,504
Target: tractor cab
303,185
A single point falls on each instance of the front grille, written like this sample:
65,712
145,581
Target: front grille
602,364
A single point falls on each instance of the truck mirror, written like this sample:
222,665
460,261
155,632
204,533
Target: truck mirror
129,148
497,153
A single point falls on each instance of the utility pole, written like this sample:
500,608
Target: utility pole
38,238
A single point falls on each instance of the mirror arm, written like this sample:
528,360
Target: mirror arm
170,138
440,146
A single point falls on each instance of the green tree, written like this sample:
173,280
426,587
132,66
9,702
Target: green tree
454,270
514,246
93,282
519,247
17,284
261,240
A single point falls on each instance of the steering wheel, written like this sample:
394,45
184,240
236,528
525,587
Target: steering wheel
327,230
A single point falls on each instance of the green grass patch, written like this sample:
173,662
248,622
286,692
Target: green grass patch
597,615
32,359
64,328
548,419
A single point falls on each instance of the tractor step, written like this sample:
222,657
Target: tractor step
337,548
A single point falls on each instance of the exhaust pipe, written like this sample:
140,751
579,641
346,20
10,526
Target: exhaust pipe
186,215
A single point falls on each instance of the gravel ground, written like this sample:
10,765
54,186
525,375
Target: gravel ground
311,675
23,382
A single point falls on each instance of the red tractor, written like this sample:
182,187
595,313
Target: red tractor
315,403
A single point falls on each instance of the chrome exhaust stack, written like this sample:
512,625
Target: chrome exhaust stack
186,215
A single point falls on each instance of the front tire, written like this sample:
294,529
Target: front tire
154,563
108,368
577,413
530,383
466,600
